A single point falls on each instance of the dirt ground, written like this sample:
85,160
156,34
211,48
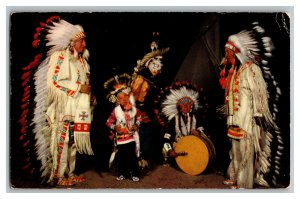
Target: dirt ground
160,177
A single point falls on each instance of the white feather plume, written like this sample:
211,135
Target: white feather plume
170,103
61,34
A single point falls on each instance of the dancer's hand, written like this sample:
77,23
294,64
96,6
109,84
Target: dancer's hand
172,153
85,88
134,128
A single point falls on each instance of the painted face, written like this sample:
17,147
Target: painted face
123,99
185,108
229,54
185,105
79,45
155,65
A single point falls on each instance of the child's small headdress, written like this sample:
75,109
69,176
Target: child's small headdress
118,83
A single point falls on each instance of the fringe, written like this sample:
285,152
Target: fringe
222,110
83,143
56,96
53,152
263,94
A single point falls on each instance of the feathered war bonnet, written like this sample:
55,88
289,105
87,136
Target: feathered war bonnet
177,95
254,45
116,85
251,44
168,101
57,34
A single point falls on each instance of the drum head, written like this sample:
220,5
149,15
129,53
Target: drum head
197,157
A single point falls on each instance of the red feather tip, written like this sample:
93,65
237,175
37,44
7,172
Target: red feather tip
24,113
23,121
23,129
36,43
36,36
21,137
38,56
25,75
55,17
48,21
51,19
222,82
38,29
26,89
222,73
42,24
25,98
23,106
24,83
26,166
35,62
25,144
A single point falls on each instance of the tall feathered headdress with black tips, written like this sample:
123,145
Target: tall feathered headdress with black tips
254,45
54,34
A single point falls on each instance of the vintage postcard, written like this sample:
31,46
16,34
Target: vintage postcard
149,100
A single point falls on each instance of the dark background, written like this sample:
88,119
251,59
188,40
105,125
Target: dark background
116,40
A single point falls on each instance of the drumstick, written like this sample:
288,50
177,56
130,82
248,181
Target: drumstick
183,153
